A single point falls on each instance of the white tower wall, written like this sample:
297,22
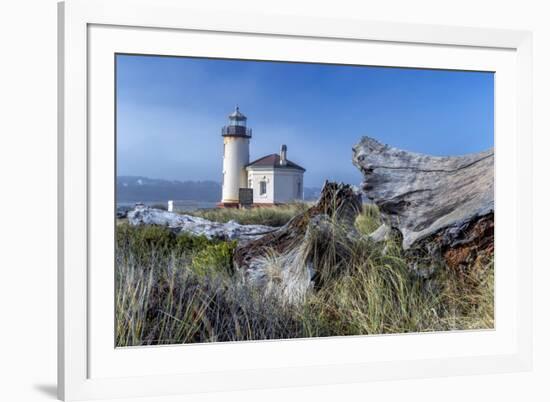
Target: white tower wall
236,157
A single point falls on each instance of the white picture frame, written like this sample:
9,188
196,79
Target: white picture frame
90,32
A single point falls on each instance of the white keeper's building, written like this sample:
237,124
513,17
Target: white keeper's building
274,179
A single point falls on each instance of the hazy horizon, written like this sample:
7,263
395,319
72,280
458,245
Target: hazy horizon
170,111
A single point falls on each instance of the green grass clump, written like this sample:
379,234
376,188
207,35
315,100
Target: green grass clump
270,215
369,219
183,289
214,259
377,295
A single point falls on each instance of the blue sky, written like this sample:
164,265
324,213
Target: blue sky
170,111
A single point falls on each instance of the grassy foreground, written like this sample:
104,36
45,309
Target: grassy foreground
182,289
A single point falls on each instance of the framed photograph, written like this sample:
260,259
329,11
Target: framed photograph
254,201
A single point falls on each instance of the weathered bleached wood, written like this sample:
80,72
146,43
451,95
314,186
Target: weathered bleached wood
180,223
339,202
294,249
442,206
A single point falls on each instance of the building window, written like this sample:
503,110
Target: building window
249,183
263,187
299,189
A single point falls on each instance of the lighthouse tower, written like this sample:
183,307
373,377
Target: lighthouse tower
236,155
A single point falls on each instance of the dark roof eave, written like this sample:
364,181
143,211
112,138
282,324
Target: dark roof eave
273,162
287,167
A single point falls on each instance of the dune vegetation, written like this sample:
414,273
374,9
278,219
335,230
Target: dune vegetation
182,289
269,216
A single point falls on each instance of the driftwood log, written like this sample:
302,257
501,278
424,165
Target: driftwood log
194,225
290,254
442,206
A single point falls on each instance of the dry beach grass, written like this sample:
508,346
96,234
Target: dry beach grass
183,289
269,216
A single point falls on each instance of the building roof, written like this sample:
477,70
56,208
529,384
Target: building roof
274,161
237,115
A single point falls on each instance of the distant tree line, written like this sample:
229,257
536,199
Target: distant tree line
135,189
143,189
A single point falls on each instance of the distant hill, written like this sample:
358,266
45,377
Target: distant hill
138,188
144,189
312,193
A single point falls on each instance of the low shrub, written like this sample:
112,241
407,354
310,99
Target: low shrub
142,243
214,259
188,243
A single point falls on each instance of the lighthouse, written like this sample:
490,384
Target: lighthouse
236,156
